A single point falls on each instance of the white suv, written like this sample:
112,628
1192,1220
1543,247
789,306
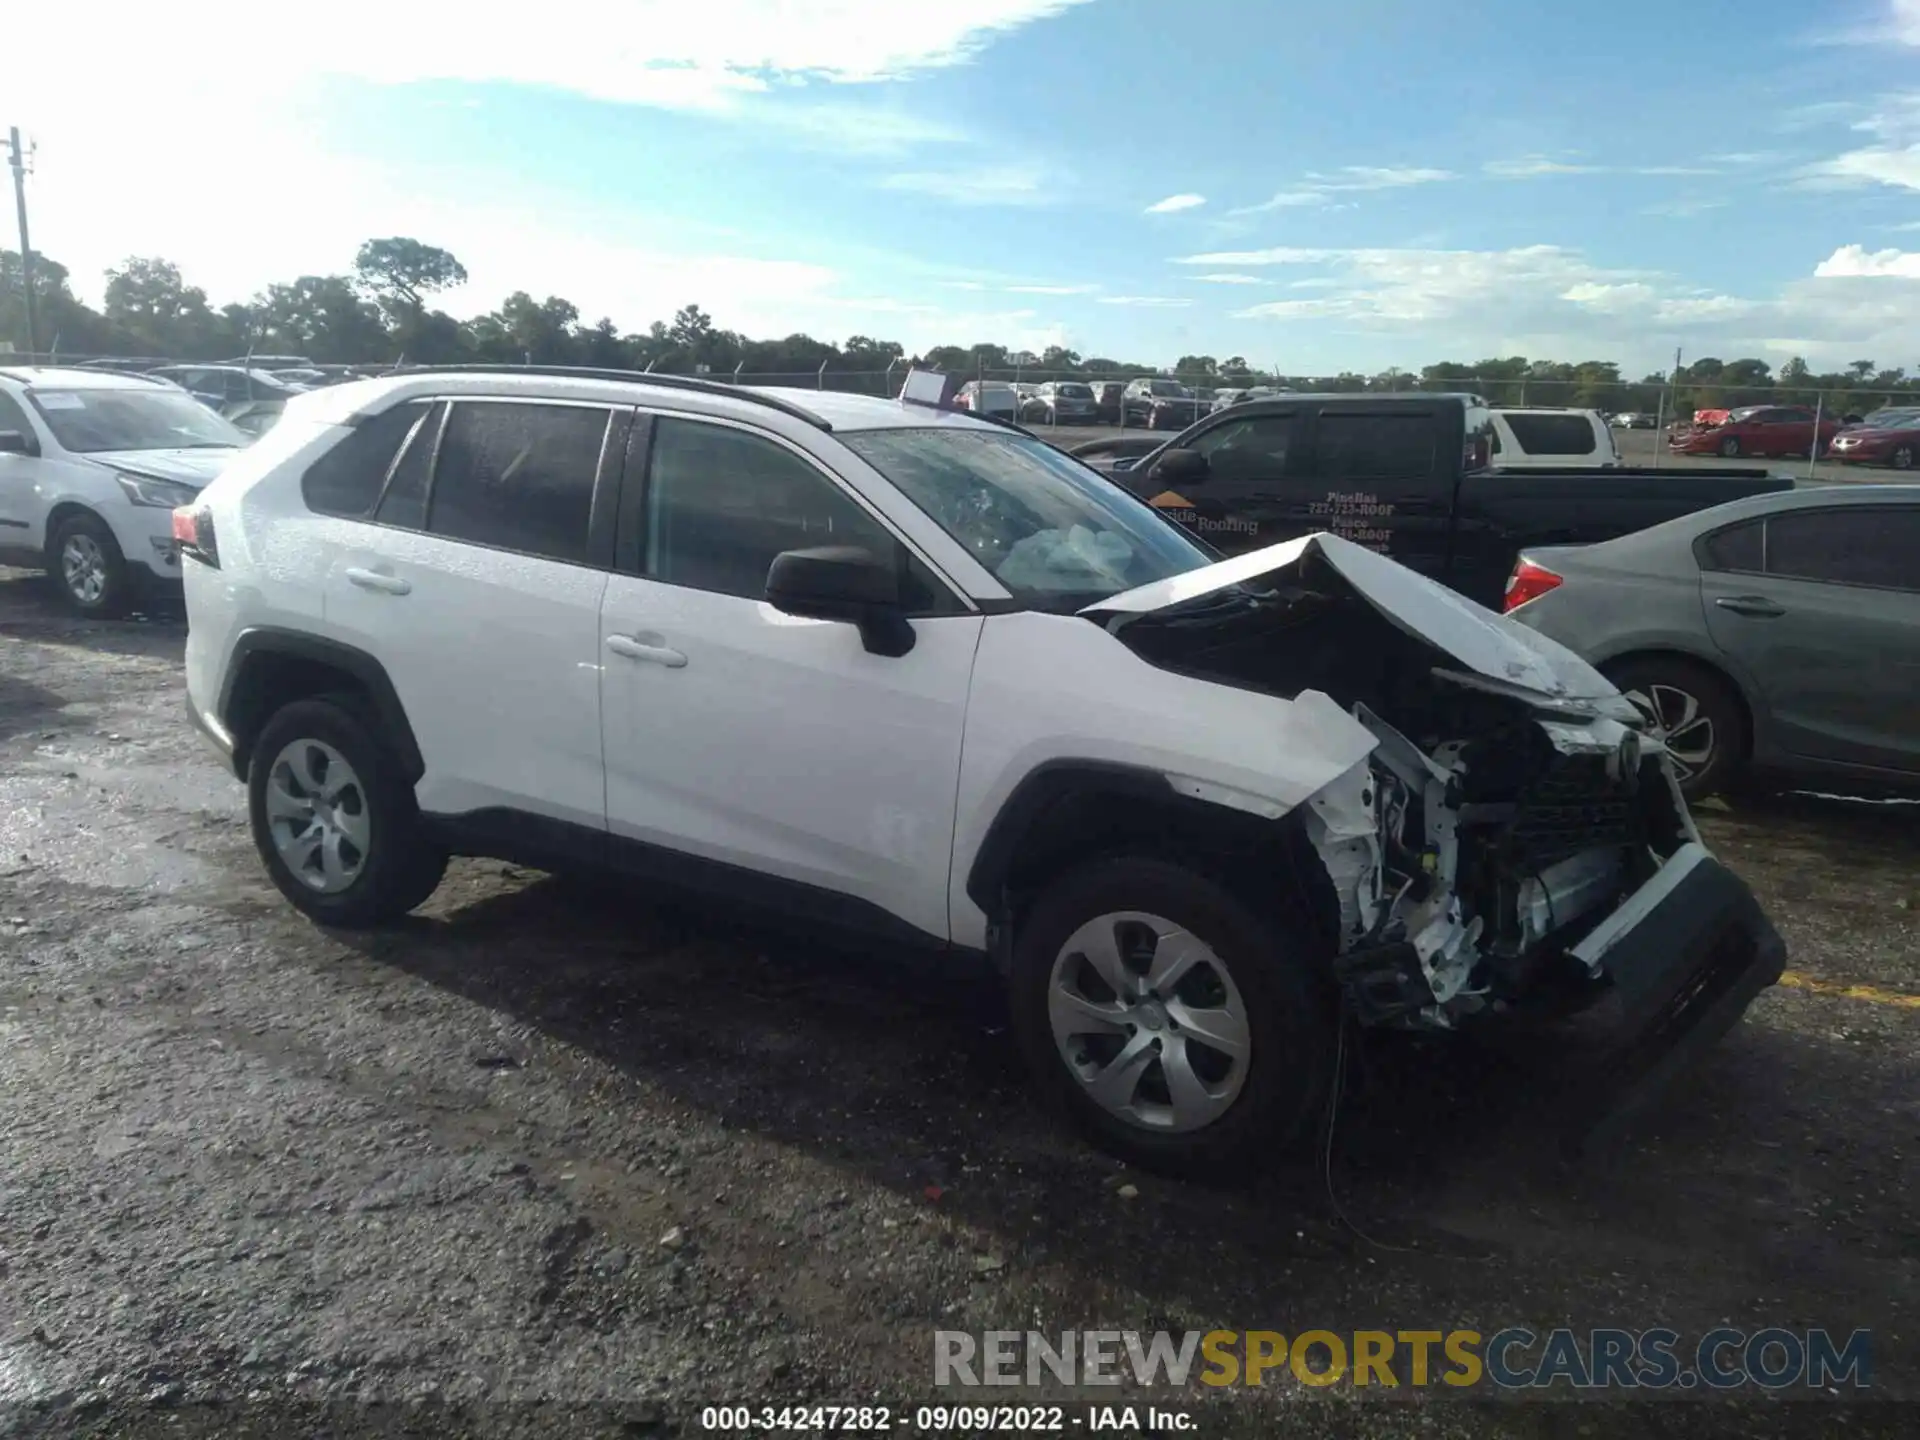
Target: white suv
903,675
92,464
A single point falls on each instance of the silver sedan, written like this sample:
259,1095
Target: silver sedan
1775,636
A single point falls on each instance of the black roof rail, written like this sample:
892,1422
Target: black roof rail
643,377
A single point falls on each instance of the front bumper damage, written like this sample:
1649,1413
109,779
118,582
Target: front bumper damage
1639,928
1513,849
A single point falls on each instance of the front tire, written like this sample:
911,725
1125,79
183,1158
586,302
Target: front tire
86,564
1697,713
1730,447
1178,1028
1902,458
334,818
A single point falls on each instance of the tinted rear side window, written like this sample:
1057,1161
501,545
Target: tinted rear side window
1850,547
1375,447
1738,547
519,477
1553,434
347,479
404,501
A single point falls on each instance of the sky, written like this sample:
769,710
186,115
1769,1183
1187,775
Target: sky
1313,188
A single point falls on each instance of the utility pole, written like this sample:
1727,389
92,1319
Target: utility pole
18,160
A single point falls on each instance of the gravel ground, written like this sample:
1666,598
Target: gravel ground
551,1160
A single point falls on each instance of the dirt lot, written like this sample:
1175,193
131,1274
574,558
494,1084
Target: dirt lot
550,1160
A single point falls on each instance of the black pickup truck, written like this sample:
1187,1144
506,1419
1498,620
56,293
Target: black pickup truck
1407,475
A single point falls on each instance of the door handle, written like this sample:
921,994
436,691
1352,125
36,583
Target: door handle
374,580
1757,606
640,650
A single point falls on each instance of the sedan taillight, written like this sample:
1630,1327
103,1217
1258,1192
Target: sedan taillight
1528,582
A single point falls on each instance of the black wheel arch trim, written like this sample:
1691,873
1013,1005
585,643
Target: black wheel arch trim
1042,787
364,669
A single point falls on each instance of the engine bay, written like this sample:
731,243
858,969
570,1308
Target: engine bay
1491,828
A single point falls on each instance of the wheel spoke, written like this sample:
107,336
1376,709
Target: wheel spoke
300,850
1193,1104
333,865
1116,1083
283,804
353,825
1175,953
1099,944
1224,1030
1075,1014
1665,698
309,766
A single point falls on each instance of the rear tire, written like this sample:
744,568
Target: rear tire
1703,712
334,817
88,569
1250,982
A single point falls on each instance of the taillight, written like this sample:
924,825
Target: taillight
1528,582
193,530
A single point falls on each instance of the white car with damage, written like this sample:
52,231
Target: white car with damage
898,674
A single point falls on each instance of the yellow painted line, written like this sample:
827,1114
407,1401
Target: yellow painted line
1872,994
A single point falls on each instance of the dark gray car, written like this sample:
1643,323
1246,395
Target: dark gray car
1777,635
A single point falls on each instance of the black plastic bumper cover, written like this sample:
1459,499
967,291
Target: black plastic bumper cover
1683,974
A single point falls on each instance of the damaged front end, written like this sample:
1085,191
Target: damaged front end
1514,844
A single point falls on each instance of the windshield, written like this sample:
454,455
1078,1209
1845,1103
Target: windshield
1891,417
1074,392
1052,531
1170,387
88,422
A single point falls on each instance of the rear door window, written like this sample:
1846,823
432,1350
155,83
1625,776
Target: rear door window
1553,434
1855,546
519,477
1738,547
347,479
1387,446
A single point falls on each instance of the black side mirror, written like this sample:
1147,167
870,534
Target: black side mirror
845,583
1179,467
13,442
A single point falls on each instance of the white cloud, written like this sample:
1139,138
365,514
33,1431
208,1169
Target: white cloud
1231,279
1533,167
1175,203
1858,261
1051,289
1545,299
1148,302
1897,166
644,52
1316,188
981,185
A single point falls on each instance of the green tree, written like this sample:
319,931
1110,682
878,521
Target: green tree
401,272
156,311
320,316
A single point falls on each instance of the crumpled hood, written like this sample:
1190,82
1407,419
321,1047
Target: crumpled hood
1487,644
183,467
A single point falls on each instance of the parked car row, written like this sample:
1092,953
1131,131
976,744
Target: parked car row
1889,436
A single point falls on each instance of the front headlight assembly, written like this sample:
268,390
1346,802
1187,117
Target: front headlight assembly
145,490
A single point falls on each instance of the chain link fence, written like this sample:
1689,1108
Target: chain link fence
1666,402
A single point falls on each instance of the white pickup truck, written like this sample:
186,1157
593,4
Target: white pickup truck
1555,438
